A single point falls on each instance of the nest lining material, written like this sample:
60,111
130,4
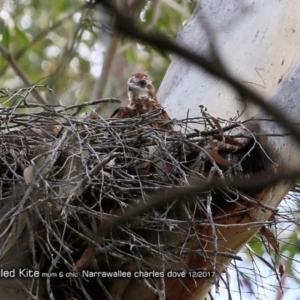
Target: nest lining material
63,177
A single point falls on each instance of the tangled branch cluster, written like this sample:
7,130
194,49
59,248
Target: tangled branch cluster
64,178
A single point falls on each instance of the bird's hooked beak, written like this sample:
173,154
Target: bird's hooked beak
136,91
131,87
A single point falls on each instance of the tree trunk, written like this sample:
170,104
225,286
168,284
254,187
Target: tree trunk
258,43
262,52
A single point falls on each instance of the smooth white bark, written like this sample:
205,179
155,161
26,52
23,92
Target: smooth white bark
258,41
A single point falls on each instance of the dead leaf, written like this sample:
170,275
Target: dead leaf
270,238
232,142
212,144
215,155
228,140
28,174
282,269
218,159
86,258
216,122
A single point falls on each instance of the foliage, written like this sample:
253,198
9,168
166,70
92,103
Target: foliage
60,44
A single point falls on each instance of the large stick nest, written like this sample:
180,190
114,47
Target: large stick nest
64,177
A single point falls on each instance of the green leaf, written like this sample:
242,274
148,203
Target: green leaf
21,37
2,25
256,245
5,37
130,54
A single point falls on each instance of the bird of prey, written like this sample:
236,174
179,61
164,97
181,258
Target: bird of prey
142,99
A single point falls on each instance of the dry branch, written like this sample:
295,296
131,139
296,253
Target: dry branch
98,195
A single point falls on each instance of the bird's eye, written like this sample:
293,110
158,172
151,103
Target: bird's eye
143,82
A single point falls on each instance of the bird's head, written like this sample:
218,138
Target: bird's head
140,87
